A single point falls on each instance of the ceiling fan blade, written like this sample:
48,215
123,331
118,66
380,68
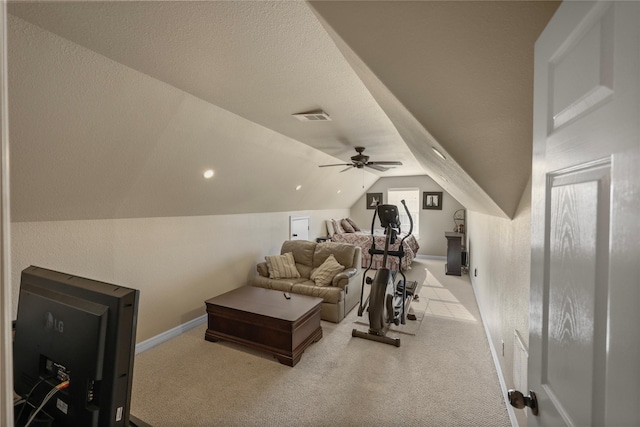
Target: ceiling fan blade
377,167
386,163
338,164
347,168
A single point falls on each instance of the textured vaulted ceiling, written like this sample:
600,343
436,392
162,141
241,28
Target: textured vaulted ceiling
463,72
115,107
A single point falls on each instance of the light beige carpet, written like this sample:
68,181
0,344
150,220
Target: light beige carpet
441,376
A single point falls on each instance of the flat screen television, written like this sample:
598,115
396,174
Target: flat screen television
79,330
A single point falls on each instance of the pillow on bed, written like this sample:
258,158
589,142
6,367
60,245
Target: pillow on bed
330,230
337,227
282,266
346,225
353,224
323,275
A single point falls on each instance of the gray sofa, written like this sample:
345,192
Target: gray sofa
344,291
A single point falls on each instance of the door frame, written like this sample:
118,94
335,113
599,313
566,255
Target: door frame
6,335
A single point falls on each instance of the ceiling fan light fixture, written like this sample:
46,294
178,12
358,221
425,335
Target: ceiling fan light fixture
313,116
438,153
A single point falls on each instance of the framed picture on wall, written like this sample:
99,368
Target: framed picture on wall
373,200
432,200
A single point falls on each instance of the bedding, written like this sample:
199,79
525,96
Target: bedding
363,240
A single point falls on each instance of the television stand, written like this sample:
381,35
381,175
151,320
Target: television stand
44,419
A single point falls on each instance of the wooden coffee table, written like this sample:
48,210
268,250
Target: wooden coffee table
265,320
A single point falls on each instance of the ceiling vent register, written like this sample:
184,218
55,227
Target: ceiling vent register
313,116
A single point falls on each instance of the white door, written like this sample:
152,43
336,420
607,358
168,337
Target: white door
584,342
299,228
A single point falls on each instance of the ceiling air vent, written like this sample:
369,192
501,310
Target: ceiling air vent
313,116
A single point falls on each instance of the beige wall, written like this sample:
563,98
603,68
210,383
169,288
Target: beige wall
433,223
500,251
177,263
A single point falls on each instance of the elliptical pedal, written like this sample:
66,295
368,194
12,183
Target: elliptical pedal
411,287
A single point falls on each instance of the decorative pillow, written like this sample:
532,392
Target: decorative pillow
353,224
337,227
346,225
330,230
282,266
323,275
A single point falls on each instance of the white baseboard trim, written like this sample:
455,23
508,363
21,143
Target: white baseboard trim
171,333
496,361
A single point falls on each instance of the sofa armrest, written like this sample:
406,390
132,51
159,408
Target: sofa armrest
345,278
263,270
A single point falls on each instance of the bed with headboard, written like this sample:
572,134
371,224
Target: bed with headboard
345,230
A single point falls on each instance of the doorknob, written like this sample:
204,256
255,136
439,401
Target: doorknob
518,400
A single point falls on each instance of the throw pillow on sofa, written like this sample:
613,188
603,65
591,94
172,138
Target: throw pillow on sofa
282,266
323,275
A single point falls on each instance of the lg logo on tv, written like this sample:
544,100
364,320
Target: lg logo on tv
51,323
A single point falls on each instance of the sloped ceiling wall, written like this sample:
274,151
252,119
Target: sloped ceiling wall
92,138
455,75
116,108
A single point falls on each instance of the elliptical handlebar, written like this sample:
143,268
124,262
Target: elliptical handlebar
409,215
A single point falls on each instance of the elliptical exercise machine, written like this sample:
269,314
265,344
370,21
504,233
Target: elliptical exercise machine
388,303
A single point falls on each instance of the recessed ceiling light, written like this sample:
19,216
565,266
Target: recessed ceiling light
339,191
208,173
435,150
298,187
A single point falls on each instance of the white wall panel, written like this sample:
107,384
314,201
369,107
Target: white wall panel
176,262
433,223
500,253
